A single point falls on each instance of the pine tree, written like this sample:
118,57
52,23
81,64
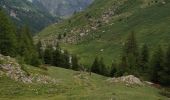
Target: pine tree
57,57
95,66
122,67
99,67
35,61
66,60
8,40
103,70
75,63
131,46
113,70
130,54
26,48
165,73
48,55
144,59
40,50
157,63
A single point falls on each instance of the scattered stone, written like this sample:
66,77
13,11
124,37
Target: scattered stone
101,50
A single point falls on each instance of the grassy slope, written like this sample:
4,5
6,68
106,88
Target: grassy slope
151,25
71,87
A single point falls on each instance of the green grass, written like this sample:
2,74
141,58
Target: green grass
151,25
72,87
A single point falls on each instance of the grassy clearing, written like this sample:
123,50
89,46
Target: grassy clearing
74,86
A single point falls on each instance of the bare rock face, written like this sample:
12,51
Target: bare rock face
10,68
128,80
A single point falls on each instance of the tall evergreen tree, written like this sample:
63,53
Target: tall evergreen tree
57,57
75,63
130,53
27,48
99,67
40,50
113,70
66,60
48,55
95,66
165,72
131,46
122,67
103,70
144,59
157,63
8,40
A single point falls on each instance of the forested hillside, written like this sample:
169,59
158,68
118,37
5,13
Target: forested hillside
38,14
24,12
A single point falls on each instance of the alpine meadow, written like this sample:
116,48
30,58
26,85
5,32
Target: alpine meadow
84,49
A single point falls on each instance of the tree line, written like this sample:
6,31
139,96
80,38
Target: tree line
55,56
141,62
17,42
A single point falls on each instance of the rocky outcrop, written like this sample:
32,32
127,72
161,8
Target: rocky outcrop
10,68
128,80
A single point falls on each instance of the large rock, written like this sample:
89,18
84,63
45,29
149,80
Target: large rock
128,80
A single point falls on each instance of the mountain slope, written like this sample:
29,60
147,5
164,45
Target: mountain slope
24,12
38,14
68,85
64,8
103,27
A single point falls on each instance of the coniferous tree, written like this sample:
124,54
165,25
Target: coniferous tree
40,50
99,67
113,70
27,48
165,72
75,63
103,70
35,61
48,55
144,59
95,66
131,46
130,54
8,40
157,63
122,67
66,60
57,57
